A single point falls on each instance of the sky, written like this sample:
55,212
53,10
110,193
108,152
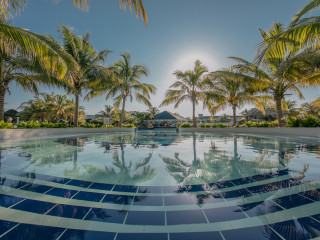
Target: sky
179,32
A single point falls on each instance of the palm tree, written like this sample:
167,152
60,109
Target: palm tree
283,72
126,85
91,71
190,87
107,112
310,109
226,90
153,111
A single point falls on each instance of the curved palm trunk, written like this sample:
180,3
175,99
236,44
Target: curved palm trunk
76,112
234,109
278,99
122,111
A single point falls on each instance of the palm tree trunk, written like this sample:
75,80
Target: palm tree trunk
2,96
278,99
76,112
2,91
194,113
234,109
122,111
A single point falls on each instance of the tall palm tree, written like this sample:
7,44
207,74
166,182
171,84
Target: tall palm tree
281,71
91,71
107,112
126,85
190,87
153,111
227,90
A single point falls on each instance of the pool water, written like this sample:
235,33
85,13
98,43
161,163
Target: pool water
160,185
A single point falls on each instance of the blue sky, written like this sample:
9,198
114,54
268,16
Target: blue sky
178,33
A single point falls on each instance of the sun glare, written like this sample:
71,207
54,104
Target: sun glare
186,61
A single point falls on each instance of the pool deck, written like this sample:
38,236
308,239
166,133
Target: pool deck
301,132
43,132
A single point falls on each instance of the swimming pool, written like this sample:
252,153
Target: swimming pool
160,185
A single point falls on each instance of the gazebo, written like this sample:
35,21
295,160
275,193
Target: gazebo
169,118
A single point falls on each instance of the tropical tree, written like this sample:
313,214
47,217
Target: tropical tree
190,86
91,71
226,90
282,73
107,112
310,109
126,85
153,111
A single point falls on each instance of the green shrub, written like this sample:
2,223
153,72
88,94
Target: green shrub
128,125
90,125
97,121
264,124
205,125
4,125
186,125
306,122
37,124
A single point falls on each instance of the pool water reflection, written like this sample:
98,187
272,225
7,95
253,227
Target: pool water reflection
160,185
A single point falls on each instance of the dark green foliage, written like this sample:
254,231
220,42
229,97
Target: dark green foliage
186,125
306,122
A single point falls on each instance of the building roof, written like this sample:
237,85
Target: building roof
168,116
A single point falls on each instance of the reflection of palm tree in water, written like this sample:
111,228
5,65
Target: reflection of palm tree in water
122,172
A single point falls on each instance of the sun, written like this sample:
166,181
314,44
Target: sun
186,60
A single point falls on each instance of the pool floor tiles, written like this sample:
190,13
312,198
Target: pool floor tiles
178,200
125,188
185,217
142,236
36,188
224,214
148,200
68,211
300,229
5,226
260,208
106,215
61,192
145,218
118,199
102,186
34,232
150,189
89,196
251,233
71,234
7,200
34,206
79,183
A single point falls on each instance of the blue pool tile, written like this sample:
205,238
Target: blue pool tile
196,235
170,189
292,201
36,188
7,200
219,185
259,233
312,194
178,200
231,195
125,188
69,211
208,198
146,218
148,200
89,196
224,214
34,232
263,188
262,177
61,192
106,215
242,181
34,206
118,199
79,183
298,229
12,183
196,188
260,208
142,236
150,189
71,234
5,226
102,186
60,180
185,217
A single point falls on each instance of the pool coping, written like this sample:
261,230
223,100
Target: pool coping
301,132
43,132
